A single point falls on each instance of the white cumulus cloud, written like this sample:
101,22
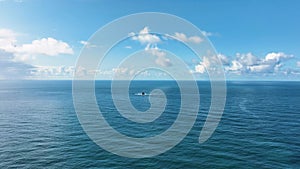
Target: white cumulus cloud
247,59
235,66
277,56
210,62
248,63
145,37
44,46
202,66
7,40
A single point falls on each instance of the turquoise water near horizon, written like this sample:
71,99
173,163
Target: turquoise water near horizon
259,128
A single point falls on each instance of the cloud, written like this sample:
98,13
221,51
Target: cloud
182,37
151,40
155,51
224,60
210,62
7,40
67,72
235,66
120,70
247,59
261,68
138,75
202,66
161,59
242,63
45,46
10,69
276,57
87,44
51,72
14,56
248,63
207,33
145,37
7,33
128,47
298,63
84,42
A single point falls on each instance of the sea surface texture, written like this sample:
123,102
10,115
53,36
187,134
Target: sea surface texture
260,127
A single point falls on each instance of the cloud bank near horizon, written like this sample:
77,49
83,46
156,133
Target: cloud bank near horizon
15,58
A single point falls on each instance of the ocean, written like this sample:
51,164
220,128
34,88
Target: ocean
260,127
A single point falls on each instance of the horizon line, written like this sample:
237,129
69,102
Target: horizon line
229,80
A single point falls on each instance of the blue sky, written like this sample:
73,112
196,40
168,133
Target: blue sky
42,39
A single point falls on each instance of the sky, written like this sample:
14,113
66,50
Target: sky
255,40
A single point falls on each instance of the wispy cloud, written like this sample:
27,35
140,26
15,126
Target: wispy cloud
182,37
52,72
87,44
84,42
207,34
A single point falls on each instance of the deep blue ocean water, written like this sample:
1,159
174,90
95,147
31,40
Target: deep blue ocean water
260,127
